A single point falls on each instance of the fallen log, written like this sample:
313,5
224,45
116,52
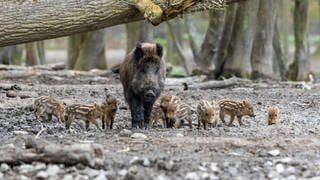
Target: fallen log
91,155
216,84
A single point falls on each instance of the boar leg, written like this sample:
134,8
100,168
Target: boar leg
231,120
68,121
136,113
240,120
204,124
222,116
147,114
110,123
95,122
103,121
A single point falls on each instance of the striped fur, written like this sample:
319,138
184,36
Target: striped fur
48,106
177,113
273,115
110,107
206,113
157,116
234,109
87,112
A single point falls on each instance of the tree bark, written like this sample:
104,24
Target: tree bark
209,47
11,55
300,67
138,32
240,47
89,52
224,41
261,56
34,54
28,20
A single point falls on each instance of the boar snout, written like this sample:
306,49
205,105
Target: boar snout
149,95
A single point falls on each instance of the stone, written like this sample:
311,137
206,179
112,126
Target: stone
280,168
53,170
40,166
42,175
179,135
4,167
133,169
138,136
123,172
192,176
214,167
101,176
26,168
125,133
11,94
68,177
91,172
162,177
274,152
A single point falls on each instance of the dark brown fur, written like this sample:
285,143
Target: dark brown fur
142,76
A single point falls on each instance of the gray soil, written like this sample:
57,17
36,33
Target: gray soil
290,150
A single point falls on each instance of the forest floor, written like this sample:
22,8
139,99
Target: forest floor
290,150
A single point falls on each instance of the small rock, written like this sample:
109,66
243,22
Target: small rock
42,175
91,172
272,174
192,176
279,168
22,177
123,172
179,135
40,166
52,170
1,175
125,133
133,169
81,177
274,152
25,95
25,168
138,136
101,176
268,163
293,177
11,94
68,177
20,133
4,167
162,177
286,160
214,167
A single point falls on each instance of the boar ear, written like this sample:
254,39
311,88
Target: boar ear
138,51
159,49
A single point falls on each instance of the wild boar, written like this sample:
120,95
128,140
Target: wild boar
206,113
109,107
273,115
234,109
48,106
142,75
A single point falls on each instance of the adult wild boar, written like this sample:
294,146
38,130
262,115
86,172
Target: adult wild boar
142,75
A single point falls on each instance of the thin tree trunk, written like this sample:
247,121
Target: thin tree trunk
32,54
224,41
179,49
261,57
280,39
74,42
138,32
300,67
209,47
91,51
240,47
27,21
11,55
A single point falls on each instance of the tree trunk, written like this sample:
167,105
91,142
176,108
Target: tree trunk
280,39
209,47
300,67
224,41
138,32
240,47
88,51
27,21
11,55
34,53
261,57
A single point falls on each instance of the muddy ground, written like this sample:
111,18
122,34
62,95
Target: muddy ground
290,150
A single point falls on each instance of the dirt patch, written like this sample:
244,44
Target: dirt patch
289,150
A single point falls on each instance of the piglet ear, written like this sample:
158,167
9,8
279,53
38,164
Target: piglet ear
159,49
138,51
